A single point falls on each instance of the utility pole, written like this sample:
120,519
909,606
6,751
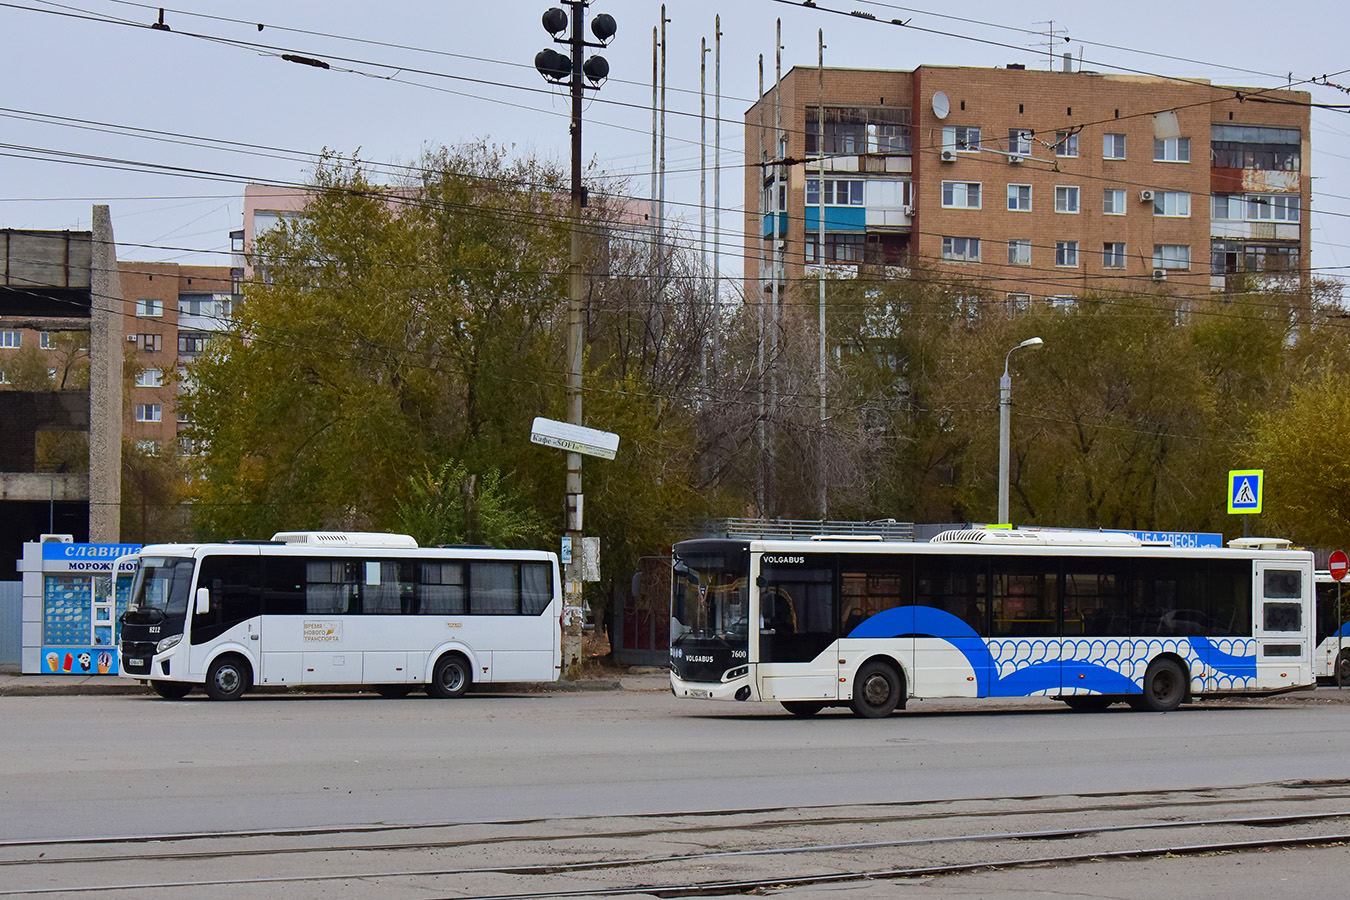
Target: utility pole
560,69
717,193
822,488
703,198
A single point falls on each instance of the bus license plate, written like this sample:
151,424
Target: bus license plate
135,662
701,695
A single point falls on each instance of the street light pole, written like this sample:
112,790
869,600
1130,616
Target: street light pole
1005,429
562,70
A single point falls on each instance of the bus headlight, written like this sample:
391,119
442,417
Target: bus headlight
168,643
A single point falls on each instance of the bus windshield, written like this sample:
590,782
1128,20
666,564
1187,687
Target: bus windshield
161,587
710,598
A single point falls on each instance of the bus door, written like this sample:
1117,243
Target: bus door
1283,625
797,627
233,581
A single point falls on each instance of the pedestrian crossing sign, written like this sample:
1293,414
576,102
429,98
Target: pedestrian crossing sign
1244,490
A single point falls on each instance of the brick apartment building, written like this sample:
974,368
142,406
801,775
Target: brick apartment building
170,314
1028,184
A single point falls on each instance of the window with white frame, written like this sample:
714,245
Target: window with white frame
1019,302
1228,207
1061,301
149,412
1113,146
962,249
149,309
148,448
1019,252
1113,202
11,340
1066,143
1066,254
151,378
45,340
1174,204
960,195
1273,207
838,192
1066,198
1176,149
961,138
1019,142
1171,256
51,374
1019,197
4,379
1113,255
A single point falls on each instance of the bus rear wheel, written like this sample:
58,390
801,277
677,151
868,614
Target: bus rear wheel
876,691
227,679
171,690
1164,687
1343,669
802,708
450,678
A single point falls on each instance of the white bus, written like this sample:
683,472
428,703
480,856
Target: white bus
1331,659
340,608
1087,618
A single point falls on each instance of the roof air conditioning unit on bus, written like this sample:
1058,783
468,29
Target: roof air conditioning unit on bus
1145,196
1159,274
949,156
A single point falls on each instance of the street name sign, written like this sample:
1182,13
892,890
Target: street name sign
574,438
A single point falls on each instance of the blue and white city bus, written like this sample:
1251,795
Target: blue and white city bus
1331,659
1085,617
340,608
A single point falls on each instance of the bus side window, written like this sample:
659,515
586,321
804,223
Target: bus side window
284,586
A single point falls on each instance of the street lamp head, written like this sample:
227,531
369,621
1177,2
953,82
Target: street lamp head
596,69
553,65
1031,342
604,27
555,21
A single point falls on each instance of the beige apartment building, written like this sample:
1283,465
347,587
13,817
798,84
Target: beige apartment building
1027,185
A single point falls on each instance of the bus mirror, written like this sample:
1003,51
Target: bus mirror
203,601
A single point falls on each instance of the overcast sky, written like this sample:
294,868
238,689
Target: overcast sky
442,72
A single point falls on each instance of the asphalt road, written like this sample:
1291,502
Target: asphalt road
93,766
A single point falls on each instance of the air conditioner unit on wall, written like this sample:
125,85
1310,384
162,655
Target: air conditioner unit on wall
1015,158
57,539
949,156
1159,274
909,211
131,338
1145,196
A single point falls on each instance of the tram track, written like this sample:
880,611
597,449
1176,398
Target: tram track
578,856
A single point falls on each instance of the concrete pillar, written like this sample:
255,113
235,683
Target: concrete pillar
105,384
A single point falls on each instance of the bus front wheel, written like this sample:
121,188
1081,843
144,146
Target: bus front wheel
227,679
1164,687
876,691
171,690
450,678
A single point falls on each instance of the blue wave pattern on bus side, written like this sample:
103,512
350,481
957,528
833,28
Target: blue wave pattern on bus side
1025,666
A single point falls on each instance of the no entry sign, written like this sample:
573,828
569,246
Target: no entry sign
1338,564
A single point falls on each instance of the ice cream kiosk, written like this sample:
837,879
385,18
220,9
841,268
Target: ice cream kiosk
71,605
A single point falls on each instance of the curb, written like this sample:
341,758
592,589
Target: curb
117,687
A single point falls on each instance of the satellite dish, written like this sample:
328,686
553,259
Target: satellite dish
941,105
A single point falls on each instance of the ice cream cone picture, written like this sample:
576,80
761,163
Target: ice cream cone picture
53,662
104,662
